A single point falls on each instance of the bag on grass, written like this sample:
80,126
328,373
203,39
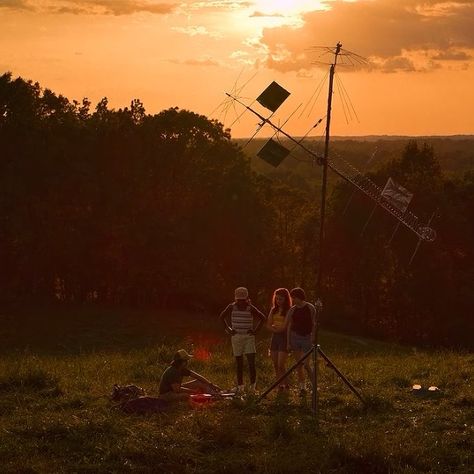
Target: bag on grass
144,406
123,393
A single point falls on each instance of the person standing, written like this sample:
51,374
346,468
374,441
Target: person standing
301,332
277,323
239,321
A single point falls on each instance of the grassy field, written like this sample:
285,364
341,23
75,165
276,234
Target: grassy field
57,369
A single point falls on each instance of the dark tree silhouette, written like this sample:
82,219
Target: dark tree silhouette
122,207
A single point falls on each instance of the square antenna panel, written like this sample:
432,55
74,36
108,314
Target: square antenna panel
273,153
273,96
397,195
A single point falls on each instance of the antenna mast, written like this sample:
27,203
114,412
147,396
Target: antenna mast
324,162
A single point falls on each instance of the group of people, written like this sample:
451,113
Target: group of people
292,322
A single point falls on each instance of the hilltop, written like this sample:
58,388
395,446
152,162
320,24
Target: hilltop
55,415
370,153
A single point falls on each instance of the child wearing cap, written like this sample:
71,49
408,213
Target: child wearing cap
171,386
242,314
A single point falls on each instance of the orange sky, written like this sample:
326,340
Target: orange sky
187,53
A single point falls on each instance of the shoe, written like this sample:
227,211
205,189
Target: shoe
238,390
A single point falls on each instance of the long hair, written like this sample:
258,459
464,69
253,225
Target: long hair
286,304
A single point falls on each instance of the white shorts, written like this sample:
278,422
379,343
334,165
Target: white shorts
243,344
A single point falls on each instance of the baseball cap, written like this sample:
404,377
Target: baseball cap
182,355
241,293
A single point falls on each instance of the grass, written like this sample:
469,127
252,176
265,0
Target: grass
56,416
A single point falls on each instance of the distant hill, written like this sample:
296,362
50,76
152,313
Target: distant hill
367,153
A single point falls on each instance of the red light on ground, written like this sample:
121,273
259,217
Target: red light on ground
201,353
200,400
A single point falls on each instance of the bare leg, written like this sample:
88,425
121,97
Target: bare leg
199,387
274,356
299,370
174,397
309,371
240,370
252,369
282,357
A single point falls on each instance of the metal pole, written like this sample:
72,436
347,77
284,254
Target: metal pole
341,375
323,215
394,232
368,220
275,127
283,377
325,170
419,241
314,400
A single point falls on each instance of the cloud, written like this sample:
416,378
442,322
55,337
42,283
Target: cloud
397,64
452,55
201,62
119,7
217,5
98,7
15,4
243,57
126,7
196,31
390,32
206,62
258,14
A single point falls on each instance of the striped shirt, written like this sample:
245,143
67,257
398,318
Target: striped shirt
241,316
241,319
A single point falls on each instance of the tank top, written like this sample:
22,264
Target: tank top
302,323
241,319
278,319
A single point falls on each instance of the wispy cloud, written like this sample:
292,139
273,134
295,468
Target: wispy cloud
390,32
196,31
243,57
258,14
126,7
203,62
452,55
216,5
15,4
97,7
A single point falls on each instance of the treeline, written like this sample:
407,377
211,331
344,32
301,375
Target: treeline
121,207
374,284
454,154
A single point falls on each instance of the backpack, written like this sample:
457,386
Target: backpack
124,393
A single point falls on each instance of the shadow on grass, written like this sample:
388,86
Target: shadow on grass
81,330
37,380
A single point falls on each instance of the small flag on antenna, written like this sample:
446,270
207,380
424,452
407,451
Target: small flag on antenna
273,153
273,96
397,195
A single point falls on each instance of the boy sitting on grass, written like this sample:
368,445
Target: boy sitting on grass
171,386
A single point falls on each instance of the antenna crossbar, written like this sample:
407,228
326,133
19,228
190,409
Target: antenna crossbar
351,174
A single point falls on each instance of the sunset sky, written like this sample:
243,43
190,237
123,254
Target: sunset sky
419,81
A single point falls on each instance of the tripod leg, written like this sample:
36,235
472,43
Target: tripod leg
341,375
283,377
315,381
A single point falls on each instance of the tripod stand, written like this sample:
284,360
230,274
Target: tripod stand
314,351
